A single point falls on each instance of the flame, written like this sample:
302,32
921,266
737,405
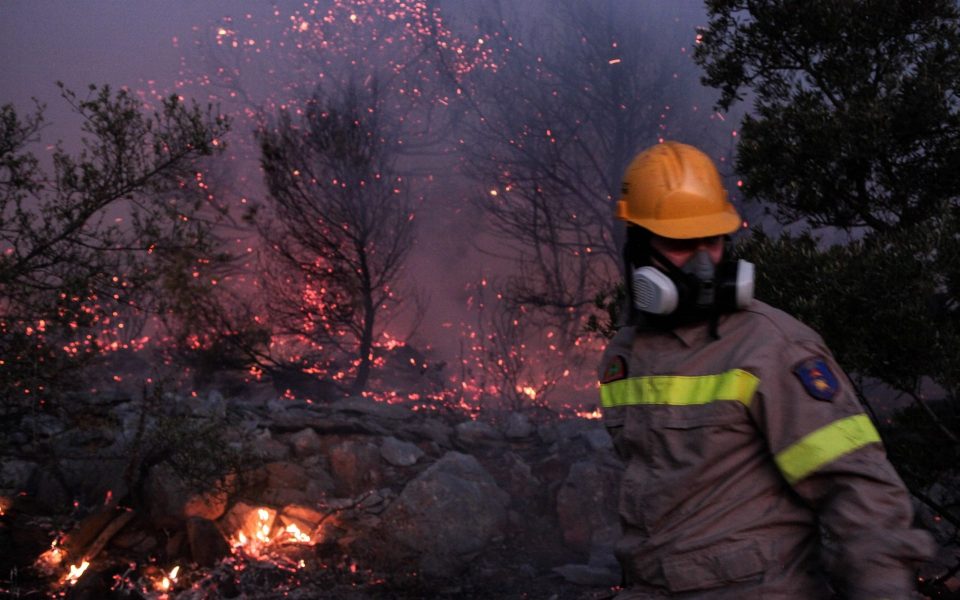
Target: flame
49,562
297,535
264,535
263,525
167,582
76,572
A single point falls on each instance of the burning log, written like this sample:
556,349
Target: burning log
107,534
93,533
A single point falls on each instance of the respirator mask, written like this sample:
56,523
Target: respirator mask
698,287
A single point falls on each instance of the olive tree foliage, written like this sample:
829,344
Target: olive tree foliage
87,245
340,228
854,136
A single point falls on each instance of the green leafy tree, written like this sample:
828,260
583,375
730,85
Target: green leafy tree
86,249
853,141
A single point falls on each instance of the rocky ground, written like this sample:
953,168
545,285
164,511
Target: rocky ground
242,492
387,501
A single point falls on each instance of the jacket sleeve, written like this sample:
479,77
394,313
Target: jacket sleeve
829,452
616,355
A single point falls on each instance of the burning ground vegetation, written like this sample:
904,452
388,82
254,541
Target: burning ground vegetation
252,494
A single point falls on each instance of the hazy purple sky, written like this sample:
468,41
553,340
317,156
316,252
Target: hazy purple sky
121,42
94,41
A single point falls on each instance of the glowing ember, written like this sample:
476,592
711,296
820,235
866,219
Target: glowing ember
589,414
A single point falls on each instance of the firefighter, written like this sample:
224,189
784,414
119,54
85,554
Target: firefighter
751,468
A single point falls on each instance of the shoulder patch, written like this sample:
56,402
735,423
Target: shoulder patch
817,378
616,369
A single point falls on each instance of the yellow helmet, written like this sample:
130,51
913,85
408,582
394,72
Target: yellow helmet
674,190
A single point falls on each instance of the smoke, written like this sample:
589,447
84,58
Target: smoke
258,59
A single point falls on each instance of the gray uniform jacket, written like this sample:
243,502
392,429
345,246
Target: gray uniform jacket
738,451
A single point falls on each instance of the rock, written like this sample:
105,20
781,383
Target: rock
48,490
265,447
305,442
213,406
433,430
474,433
170,500
569,429
371,408
206,542
135,540
92,481
355,466
15,475
319,483
597,439
547,433
376,501
43,426
602,553
275,496
283,474
519,477
207,505
303,514
399,453
175,544
447,515
587,505
588,575
518,426
213,503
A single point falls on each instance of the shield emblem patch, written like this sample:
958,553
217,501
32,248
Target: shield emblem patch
817,378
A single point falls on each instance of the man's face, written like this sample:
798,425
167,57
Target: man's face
680,251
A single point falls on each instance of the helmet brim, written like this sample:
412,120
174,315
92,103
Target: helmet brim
692,227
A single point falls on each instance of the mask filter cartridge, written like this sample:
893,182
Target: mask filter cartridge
653,292
730,287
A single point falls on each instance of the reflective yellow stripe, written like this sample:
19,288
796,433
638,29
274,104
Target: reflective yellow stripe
826,445
678,390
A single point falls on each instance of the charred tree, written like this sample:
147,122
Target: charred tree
574,97
341,227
